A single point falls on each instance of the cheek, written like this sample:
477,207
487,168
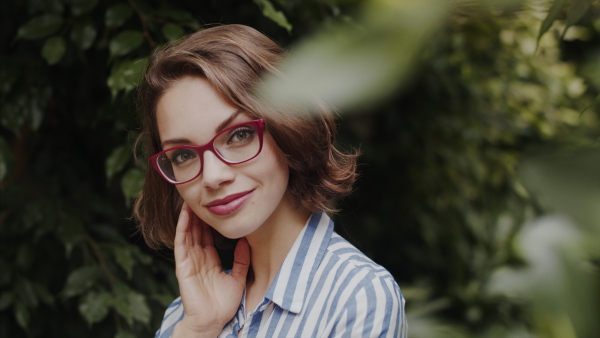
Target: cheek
277,166
188,193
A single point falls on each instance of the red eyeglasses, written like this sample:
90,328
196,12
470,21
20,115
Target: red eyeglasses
237,144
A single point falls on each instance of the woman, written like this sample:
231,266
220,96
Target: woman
226,161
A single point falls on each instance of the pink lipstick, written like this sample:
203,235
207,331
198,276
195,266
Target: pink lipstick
230,204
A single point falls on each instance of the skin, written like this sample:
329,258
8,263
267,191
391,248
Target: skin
190,112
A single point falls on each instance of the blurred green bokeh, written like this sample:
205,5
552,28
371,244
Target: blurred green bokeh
478,123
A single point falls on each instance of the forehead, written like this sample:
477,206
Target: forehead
192,109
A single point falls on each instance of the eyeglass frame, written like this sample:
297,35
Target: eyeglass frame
259,123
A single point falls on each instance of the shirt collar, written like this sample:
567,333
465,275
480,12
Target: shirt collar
291,284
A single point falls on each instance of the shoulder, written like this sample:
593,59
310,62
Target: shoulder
173,315
349,257
370,303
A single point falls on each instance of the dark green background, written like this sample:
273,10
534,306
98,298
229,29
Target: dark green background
439,201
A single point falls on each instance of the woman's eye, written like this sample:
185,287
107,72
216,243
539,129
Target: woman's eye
182,156
241,135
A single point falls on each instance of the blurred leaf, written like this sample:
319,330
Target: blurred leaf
79,7
131,305
6,300
26,293
39,27
132,183
125,259
36,111
6,159
164,299
71,233
567,183
94,306
125,42
80,280
22,315
553,14
595,103
117,160
9,74
54,49
43,293
554,282
83,35
349,67
117,15
269,11
145,259
125,75
124,334
172,31
577,9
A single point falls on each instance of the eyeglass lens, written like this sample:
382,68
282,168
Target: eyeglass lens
232,146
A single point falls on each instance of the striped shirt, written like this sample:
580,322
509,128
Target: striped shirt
325,288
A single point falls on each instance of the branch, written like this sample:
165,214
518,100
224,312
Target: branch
144,21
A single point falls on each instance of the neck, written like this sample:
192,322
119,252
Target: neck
270,244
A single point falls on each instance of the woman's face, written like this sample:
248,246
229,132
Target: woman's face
234,199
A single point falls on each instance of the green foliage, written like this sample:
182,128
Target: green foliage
439,202
40,27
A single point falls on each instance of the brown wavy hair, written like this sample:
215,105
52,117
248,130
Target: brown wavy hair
233,58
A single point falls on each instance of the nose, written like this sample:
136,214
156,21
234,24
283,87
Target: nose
215,172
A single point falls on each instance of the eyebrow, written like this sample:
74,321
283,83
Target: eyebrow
227,121
219,128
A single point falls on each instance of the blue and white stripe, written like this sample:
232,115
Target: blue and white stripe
325,288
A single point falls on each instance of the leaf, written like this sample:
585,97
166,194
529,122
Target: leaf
117,15
346,66
576,10
26,293
133,307
43,293
71,233
145,259
36,112
594,103
125,75
22,314
117,160
6,159
83,35
172,31
124,334
79,7
125,42
553,14
6,300
132,183
80,280
40,27
269,11
164,299
94,306
125,259
54,49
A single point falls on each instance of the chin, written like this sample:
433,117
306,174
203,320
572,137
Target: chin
234,232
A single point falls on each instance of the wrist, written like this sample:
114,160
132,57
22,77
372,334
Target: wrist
184,329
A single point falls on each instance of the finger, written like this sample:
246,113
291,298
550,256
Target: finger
241,261
182,227
195,229
181,233
207,237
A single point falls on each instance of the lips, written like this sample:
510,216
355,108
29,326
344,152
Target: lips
229,204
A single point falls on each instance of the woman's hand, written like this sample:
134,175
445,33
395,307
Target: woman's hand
210,296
